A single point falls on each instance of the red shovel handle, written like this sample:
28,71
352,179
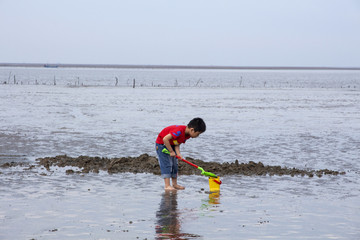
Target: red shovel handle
186,161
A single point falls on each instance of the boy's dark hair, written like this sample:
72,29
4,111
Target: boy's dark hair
198,125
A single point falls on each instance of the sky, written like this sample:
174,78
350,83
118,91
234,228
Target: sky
310,33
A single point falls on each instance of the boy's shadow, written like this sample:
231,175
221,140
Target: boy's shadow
168,222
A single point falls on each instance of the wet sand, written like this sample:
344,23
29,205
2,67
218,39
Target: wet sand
306,120
53,205
149,164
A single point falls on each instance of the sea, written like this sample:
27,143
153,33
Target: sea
307,119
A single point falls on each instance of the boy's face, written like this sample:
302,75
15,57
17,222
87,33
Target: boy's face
194,134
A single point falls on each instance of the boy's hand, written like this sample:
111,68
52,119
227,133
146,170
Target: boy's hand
172,153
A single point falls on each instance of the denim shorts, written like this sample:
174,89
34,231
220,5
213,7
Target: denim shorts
168,165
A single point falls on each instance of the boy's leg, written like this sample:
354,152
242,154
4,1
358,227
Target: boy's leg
176,185
175,174
165,166
167,184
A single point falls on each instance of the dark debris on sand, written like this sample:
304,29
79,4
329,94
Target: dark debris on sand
149,164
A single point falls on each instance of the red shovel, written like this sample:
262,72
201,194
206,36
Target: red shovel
209,174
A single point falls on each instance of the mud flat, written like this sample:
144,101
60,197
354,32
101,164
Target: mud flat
149,164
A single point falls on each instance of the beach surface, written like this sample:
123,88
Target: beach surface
78,159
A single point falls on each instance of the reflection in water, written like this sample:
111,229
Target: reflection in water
210,204
214,198
168,222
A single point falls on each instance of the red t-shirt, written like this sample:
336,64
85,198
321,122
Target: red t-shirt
176,131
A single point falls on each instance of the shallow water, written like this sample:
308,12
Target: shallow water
307,128
134,206
311,128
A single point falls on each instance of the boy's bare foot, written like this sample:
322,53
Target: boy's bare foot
178,187
170,188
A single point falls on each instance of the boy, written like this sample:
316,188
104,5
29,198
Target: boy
170,138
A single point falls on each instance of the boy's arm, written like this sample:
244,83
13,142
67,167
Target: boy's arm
177,151
167,144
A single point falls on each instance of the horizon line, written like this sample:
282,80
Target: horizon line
160,66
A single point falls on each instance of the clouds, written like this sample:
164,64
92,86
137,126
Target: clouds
272,33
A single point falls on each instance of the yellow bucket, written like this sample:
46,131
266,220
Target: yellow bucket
214,184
